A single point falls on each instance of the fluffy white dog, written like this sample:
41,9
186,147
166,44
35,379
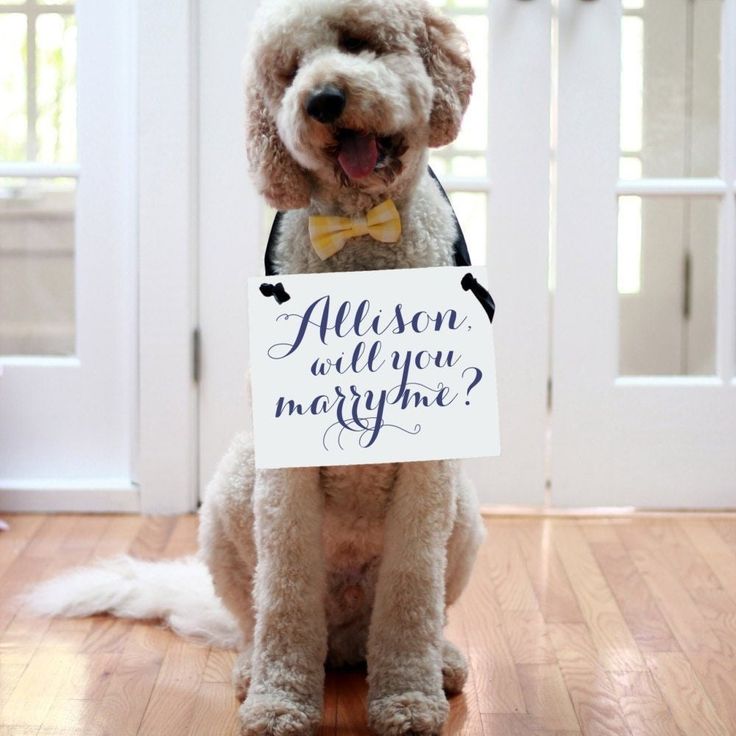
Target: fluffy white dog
336,565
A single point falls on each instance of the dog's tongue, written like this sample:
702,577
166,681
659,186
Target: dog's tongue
358,155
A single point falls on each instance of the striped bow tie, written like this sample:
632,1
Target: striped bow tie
329,234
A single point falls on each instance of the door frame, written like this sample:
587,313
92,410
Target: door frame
168,241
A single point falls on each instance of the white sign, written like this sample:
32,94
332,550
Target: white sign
371,367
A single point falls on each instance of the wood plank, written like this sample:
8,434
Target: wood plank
464,718
644,709
674,548
180,672
717,672
598,531
51,550
654,560
23,637
215,710
496,680
106,635
683,592
76,549
40,558
73,718
83,536
35,691
47,541
183,539
548,578
527,637
131,686
219,667
152,537
718,555
691,707
23,528
717,669
546,696
119,536
10,674
23,634
638,607
614,642
592,693
502,561
726,529
498,724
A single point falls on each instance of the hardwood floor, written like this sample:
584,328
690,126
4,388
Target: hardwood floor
617,627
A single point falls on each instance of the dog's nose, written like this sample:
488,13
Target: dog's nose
326,104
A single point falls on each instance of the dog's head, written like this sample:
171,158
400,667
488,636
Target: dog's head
345,96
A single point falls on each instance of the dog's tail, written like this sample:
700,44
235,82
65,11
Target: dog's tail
179,592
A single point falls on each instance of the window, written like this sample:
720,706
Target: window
38,174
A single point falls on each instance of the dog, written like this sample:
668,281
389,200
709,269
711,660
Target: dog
331,565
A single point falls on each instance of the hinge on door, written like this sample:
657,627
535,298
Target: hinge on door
196,354
549,394
687,286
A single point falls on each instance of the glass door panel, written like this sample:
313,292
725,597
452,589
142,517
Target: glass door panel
38,152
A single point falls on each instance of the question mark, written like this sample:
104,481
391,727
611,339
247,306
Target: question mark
474,382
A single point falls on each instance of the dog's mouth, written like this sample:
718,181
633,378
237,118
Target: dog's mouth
359,154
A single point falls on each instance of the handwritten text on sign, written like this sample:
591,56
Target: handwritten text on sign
372,367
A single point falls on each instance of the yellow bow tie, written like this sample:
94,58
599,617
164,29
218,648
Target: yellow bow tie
329,234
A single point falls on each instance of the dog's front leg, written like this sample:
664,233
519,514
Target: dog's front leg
290,640
405,638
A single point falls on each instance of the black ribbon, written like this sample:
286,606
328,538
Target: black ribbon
275,290
459,247
470,283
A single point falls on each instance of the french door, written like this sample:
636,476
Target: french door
644,360
67,257
628,109
497,176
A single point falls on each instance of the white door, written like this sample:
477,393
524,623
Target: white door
497,176
644,409
67,256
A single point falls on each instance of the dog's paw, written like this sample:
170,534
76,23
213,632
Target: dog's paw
274,715
454,668
241,673
408,714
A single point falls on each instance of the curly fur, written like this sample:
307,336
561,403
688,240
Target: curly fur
342,565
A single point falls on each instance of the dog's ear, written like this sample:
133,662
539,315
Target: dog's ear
447,59
284,184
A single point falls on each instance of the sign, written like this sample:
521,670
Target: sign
371,367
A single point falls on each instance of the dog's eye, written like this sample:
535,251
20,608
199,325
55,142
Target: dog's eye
353,44
286,76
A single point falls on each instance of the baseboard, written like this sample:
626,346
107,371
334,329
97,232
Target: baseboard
599,512
83,496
